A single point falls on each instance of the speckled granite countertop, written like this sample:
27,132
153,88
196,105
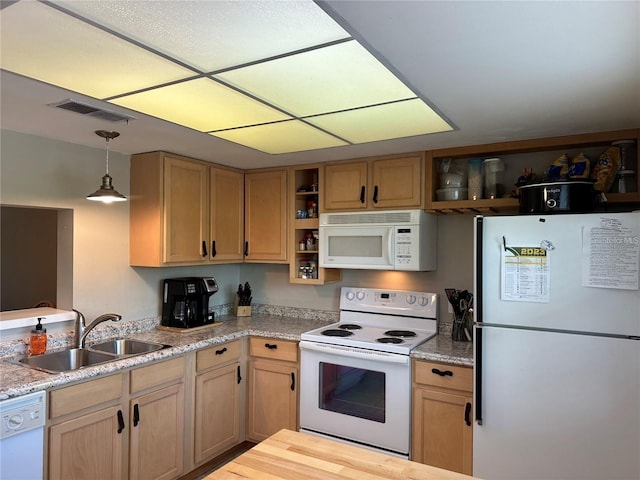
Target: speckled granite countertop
18,380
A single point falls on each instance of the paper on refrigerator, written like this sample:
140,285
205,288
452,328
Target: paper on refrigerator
611,254
525,275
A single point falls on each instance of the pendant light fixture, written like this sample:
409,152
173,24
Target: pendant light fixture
106,193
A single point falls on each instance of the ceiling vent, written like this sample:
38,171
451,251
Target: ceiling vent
91,111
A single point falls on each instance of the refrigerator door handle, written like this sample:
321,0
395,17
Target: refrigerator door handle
477,362
477,313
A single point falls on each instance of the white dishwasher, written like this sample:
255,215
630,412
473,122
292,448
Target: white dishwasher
22,437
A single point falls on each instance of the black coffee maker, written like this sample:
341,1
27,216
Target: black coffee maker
185,301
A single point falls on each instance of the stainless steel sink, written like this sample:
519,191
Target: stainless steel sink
65,360
125,346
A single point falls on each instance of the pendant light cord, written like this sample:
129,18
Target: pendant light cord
107,156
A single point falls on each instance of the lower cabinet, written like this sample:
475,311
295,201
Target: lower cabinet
273,387
127,425
442,416
218,400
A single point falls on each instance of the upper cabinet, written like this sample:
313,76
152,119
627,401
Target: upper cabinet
536,154
392,182
184,212
265,219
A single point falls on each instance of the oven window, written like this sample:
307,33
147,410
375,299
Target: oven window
352,391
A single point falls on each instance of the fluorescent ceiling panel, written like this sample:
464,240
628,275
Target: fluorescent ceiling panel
383,122
320,81
201,104
283,137
44,44
211,35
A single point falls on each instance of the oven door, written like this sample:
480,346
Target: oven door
355,394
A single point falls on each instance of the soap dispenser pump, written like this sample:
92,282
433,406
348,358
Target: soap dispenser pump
38,339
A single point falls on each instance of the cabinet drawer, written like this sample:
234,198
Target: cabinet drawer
451,376
274,349
217,355
84,395
157,374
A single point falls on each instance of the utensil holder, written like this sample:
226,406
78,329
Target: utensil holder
244,311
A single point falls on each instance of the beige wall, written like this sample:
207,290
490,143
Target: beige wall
44,172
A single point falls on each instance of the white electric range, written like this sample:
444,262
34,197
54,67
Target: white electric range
356,373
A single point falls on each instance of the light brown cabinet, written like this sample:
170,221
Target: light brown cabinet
273,396
304,199
127,425
218,400
156,412
184,212
392,182
537,154
442,431
265,221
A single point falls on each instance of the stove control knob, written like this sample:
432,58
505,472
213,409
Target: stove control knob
424,301
350,295
360,295
411,299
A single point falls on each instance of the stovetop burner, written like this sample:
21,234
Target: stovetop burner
335,332
391,321
400,333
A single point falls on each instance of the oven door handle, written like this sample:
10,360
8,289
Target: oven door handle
356,353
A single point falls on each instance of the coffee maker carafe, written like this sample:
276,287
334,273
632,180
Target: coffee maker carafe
185,301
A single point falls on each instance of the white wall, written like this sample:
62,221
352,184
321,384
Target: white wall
41,172
44,172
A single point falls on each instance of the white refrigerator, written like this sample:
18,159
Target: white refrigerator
557,347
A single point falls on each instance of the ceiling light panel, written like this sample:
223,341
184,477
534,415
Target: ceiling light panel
283,137
212,35
50,46
383,122
201,104
328,79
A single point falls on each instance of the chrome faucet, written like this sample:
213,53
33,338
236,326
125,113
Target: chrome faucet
81,330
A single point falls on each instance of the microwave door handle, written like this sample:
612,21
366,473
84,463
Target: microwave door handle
390,247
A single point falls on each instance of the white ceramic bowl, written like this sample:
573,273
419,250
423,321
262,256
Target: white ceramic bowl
453,193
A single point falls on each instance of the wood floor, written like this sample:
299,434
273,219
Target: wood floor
204,470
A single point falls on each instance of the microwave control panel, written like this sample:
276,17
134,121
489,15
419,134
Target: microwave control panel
405,245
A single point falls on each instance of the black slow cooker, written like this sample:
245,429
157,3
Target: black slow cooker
558,196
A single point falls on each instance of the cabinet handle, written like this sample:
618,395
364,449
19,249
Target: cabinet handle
239,377
136,415
271,346
467,417
375,194
220,352
246,249
293,381
445,373
204,249
120,421
213,248
362,194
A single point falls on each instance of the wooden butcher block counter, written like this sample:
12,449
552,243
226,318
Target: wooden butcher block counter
297,456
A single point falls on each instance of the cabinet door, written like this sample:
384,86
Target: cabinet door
217,420
226,209
396,183
345,186
272,399
157,432
266,216
90,446
442,430
186,211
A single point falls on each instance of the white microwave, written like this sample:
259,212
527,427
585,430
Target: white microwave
384,240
